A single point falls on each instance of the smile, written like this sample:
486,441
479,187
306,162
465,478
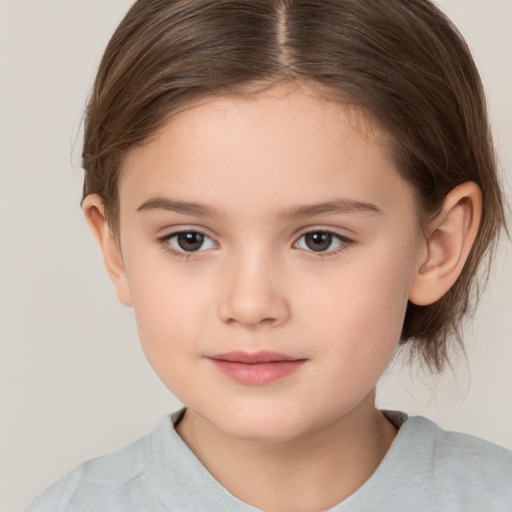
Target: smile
256,369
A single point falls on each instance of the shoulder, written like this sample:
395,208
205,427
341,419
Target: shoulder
468,473
103,483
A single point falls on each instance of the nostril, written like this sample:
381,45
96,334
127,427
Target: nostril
252,323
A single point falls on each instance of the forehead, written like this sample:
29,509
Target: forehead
287,145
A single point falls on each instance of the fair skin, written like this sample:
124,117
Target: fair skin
262,270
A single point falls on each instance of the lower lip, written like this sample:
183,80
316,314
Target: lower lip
257,374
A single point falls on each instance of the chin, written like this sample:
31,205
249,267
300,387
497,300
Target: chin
263,426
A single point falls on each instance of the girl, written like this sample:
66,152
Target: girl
284,191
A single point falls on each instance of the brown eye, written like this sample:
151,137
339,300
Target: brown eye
321,241
190,241
318,242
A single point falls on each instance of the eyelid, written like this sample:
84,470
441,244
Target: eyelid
171,231
323,229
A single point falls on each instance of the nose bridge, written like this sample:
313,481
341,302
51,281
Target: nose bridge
253,294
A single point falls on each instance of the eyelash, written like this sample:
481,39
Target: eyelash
345,243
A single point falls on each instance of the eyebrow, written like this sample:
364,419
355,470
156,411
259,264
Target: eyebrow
341,205
184,207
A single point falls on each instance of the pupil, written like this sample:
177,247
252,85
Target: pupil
318,241
190,241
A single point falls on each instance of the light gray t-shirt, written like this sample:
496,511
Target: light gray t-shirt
426,470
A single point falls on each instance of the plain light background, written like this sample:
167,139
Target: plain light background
73,381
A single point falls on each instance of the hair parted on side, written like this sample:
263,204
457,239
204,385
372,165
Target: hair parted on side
401,61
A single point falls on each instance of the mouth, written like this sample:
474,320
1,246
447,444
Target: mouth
256,368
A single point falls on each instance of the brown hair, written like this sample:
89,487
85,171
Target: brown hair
401,61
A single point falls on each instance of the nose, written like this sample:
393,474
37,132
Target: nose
252,294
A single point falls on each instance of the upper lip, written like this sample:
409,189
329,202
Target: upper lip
254,357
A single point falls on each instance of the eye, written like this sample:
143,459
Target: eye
321,241
189,241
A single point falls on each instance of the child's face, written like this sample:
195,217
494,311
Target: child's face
245,181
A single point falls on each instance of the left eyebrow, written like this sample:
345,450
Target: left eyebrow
335,206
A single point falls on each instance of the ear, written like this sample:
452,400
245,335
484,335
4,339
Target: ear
95,214
451,236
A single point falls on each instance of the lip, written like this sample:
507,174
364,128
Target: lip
256,368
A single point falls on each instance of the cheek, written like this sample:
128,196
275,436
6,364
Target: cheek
360,329
361,311
170,312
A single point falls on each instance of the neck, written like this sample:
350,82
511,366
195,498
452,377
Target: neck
311,473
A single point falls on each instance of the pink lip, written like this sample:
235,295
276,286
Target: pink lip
258,368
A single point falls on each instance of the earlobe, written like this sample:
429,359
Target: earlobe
451,236
95,214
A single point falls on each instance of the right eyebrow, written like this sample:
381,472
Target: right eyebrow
183,207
